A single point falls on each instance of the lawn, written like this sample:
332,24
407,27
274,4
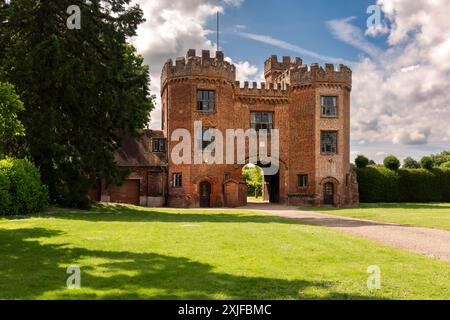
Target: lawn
126,252
431,215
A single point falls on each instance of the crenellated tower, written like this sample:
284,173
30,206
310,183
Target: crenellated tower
309,105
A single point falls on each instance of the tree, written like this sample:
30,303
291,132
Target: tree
410,163
440,158
372,163
391,162
361,161
445,165
426,163
10,106
85,90
254,178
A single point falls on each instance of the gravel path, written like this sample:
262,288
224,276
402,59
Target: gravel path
429,242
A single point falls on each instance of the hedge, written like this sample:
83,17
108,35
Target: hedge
379,184
21,189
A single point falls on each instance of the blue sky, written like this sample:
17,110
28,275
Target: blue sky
401,73
302,23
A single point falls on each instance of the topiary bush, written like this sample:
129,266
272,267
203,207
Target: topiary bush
361,161
391,163
26,192
427,163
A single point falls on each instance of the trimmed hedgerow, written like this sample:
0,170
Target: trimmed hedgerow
378,184
25,191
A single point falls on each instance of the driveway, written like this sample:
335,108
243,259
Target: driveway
429,242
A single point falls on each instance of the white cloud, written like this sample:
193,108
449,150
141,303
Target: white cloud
343,30
377,30
246,71
234,3
171,28
291,47
402,96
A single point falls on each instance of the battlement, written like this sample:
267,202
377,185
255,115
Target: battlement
272,63
301,75
273,68
296,73
263,89
200,66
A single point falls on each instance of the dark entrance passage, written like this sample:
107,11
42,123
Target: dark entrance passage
205,194
272,184
328,193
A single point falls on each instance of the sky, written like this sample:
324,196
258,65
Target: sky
400,101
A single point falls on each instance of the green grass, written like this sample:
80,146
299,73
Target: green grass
431,215
126,252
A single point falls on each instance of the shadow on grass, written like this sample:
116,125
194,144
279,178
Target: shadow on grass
402,206
123,213
29,269
137,214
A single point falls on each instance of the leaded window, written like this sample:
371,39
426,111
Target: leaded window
261,121
159,145
302,180
329,106
205,100
177,180
328,142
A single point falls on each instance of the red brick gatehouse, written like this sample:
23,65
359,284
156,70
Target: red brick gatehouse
309,105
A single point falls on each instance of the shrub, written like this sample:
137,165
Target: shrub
378,184
5,198
410,163
361,161
391,163
427,163
26,192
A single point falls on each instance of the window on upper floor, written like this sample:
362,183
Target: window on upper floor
261,121
302,180
328,142
177,181
329,106
159,145
205,100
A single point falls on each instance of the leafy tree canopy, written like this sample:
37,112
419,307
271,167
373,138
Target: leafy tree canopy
361,161
391,162
410,163
254,177
440,158
10,106
427,163
85,89
445,165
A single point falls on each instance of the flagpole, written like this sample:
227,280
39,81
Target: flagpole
218,47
